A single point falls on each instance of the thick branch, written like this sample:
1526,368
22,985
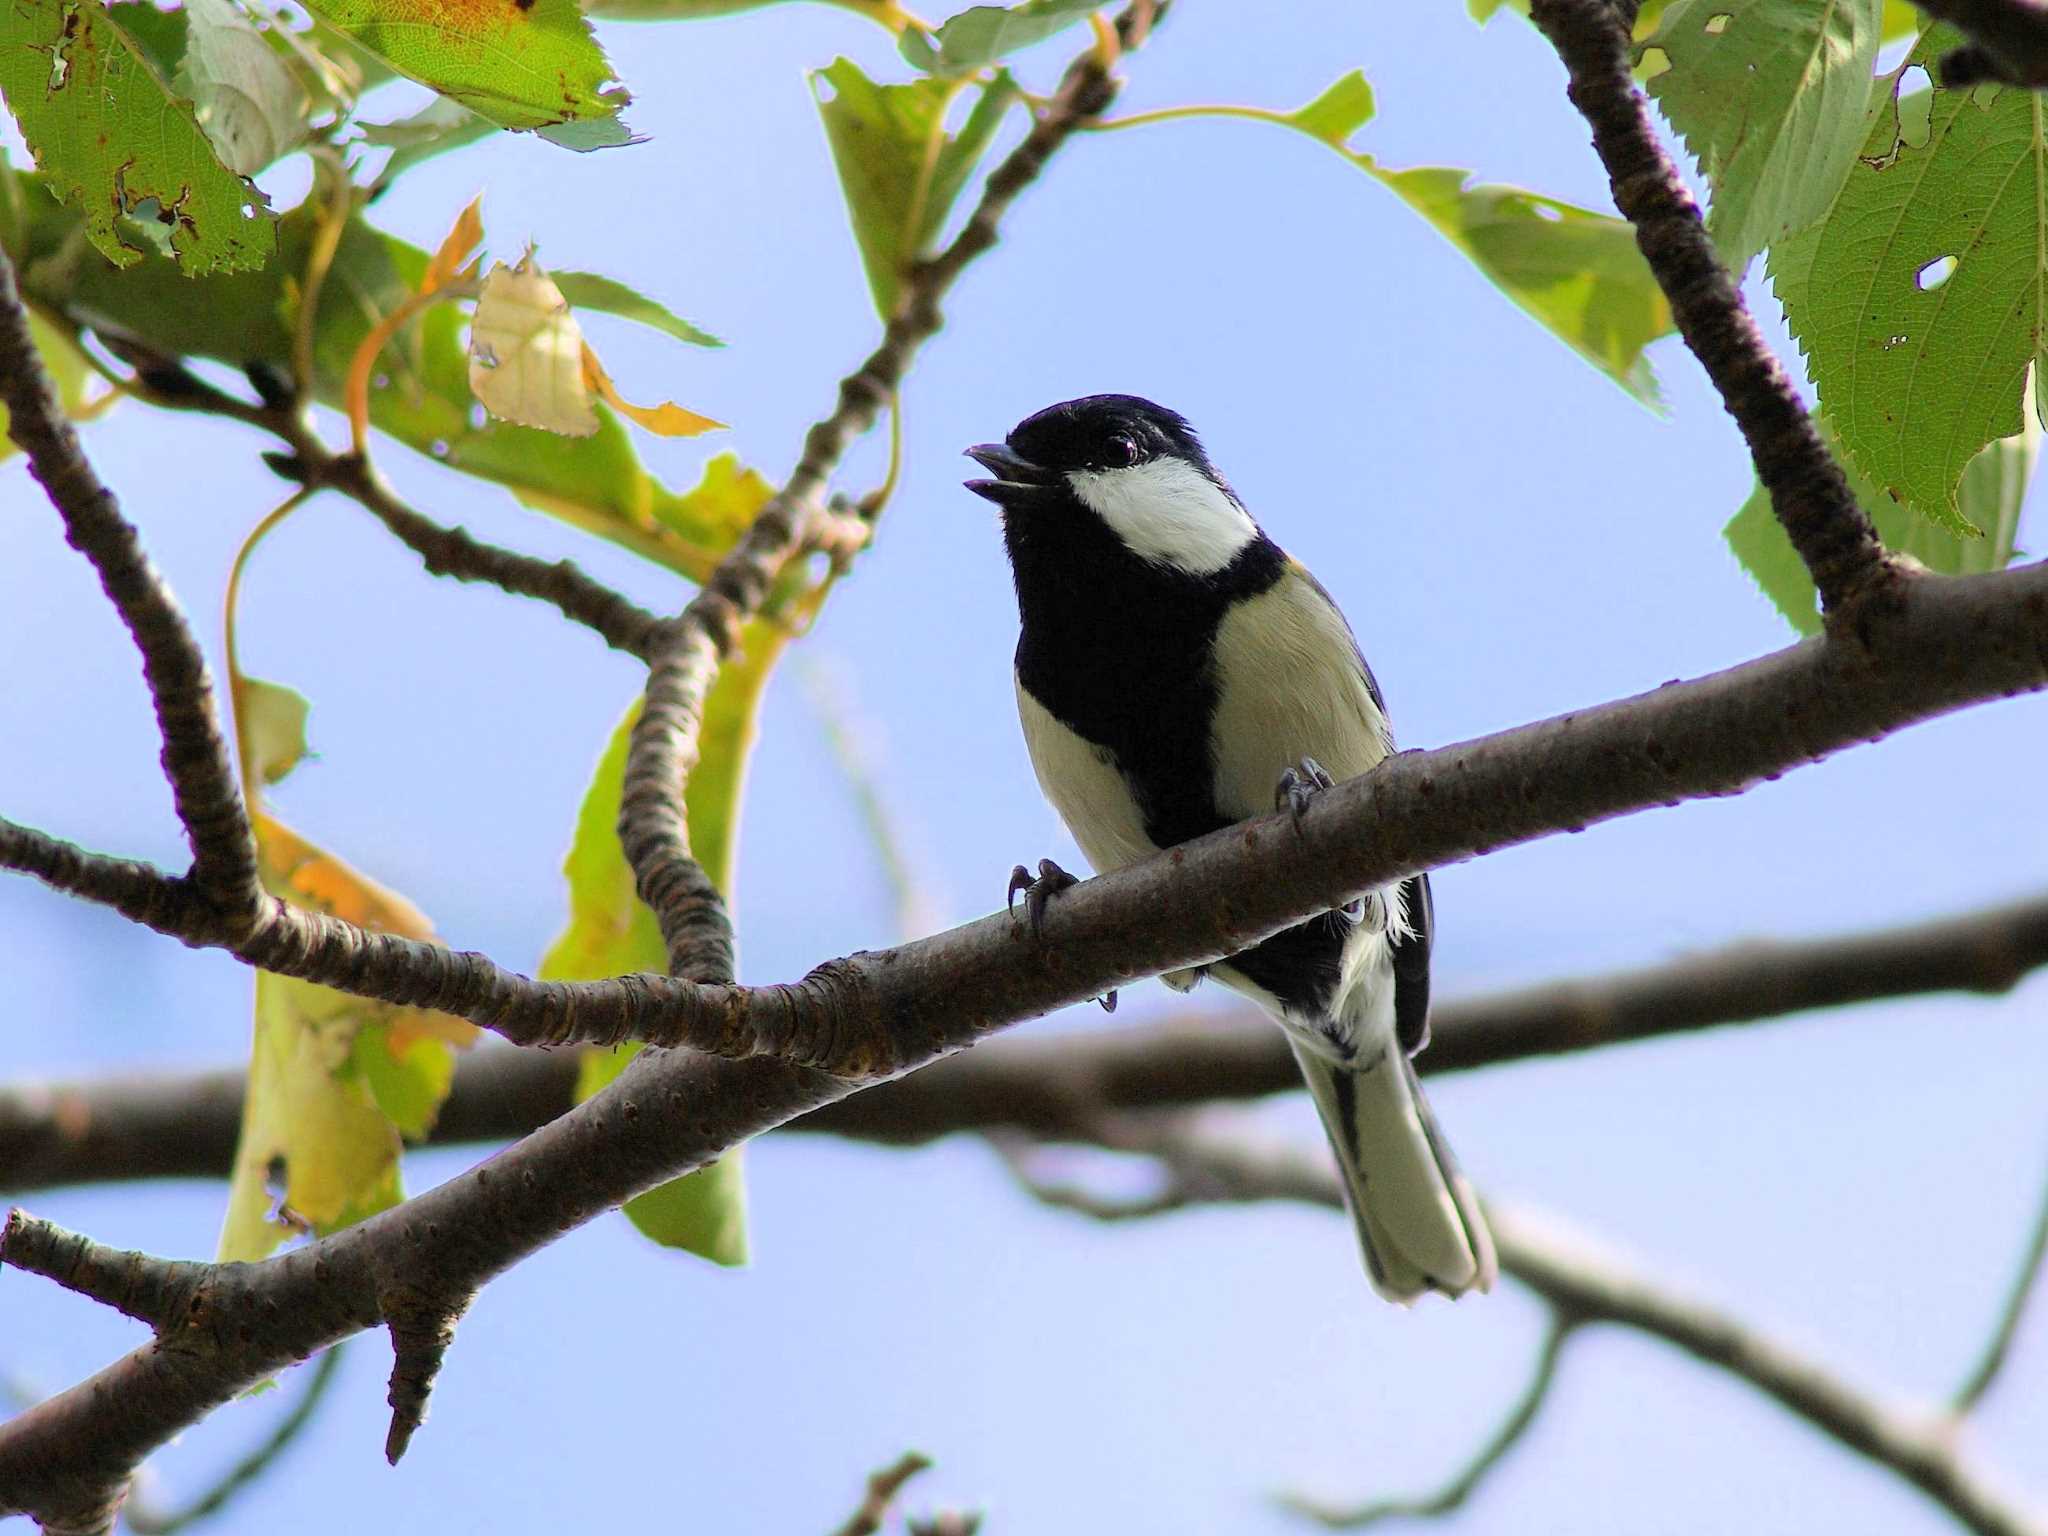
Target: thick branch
2008,42
1808,492
1585,1286
652,827
184,1126
196,759
1944,643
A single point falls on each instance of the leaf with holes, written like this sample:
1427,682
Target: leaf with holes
1576,272
1769,96
1993,491
612,933
898,166
982,34
522,64
335,1082
114,141
1918,299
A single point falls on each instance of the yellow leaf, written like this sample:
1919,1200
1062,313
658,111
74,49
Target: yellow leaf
526,352
665,420
465,237
334,1081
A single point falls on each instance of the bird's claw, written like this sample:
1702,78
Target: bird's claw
1037,890
1108,1001
1299,785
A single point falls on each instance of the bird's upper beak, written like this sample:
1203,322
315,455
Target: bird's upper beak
1016,477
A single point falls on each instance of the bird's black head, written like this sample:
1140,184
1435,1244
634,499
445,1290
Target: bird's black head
1117,478
1094,433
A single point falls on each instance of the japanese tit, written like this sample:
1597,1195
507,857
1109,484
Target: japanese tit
1177,672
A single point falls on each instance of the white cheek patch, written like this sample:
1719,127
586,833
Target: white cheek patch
1168,512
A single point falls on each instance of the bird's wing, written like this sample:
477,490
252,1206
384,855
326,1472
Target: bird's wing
1411,965
1290,684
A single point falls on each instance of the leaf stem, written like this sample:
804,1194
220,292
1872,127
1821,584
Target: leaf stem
236,681
1173,114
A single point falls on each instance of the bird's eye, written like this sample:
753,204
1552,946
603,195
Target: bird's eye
1123,451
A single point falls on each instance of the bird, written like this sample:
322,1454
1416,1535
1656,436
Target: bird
1176,672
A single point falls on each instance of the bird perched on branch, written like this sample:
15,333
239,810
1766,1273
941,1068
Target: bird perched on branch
1177,671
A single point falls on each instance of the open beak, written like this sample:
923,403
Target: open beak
1016,478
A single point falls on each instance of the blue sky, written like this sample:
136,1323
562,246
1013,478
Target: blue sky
1511,535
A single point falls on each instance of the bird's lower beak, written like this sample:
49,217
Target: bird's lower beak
1016,477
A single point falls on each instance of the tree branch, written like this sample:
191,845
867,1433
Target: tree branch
196,760
1584,1286
883,1487
184,1126
1945,643
2008,42
1808,492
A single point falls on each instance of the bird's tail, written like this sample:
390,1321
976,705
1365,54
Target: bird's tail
1418,1221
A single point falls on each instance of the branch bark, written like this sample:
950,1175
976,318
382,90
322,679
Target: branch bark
196,760
184,1126
1809,493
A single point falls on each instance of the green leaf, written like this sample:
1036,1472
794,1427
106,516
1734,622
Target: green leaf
1918,299
898,166
1577,272
114,141
1769,96
244,97
1994,487
611,932
982,34
596,483
522,66
443,124
1338,113
271,721
586,290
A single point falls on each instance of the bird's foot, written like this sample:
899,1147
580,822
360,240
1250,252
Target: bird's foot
1050,881
1297,787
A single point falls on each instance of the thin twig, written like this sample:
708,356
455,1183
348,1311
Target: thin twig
1451,1497
148,1521
2008,42
883,1487
1591,1287
1834,537
1998,1347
